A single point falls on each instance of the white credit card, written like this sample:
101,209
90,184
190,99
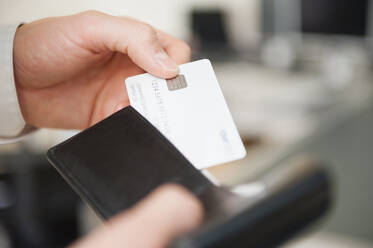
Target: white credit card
191,112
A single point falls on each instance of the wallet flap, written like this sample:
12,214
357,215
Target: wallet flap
118,161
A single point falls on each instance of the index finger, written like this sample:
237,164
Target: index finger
177,49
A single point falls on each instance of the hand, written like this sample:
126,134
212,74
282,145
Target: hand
152,223
70,71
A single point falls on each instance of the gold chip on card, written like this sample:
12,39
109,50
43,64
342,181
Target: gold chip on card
176,83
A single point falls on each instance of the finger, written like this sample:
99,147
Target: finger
137,39
177,49
168,212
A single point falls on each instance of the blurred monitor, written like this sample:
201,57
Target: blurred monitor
209,34
208,26
340,17
323,17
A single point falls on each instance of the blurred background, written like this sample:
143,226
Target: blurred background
297,76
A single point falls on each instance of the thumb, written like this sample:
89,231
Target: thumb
168,212
136,39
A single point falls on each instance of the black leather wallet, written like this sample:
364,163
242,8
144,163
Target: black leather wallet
118,161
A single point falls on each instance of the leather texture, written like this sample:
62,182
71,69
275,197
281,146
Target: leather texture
118,161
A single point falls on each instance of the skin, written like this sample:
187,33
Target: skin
69,73
72,69
168,212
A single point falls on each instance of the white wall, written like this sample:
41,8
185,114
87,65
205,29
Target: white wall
169,15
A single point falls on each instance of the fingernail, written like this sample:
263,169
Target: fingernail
166,62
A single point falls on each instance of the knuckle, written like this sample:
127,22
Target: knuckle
91,13
182,197
185,48
173,190
90,17
87,22
146,32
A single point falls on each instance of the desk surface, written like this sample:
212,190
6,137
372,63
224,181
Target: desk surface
312,120
340,133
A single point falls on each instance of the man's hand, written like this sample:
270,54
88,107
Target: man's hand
153,223
70,71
